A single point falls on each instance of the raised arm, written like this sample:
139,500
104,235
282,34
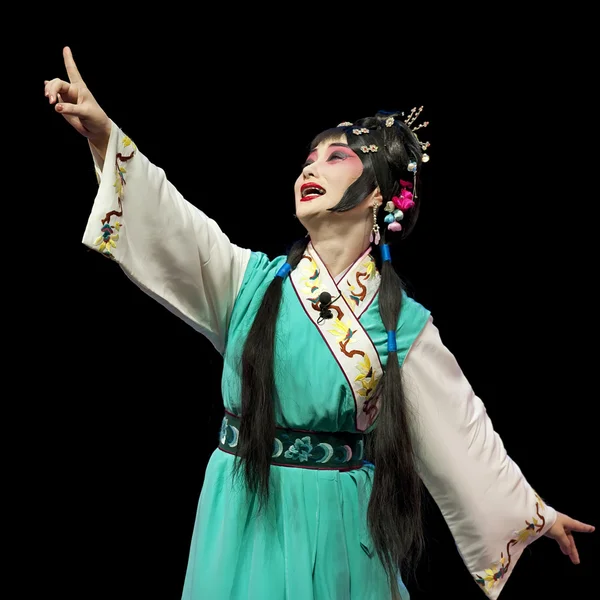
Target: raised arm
167,246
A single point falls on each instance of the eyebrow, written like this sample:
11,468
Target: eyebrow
333,144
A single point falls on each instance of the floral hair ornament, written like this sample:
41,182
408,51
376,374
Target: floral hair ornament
360,131
345,124
371,148
398,204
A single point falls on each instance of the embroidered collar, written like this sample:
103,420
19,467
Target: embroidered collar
358,284
352,293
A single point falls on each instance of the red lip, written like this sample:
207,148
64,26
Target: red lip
312,196
311,185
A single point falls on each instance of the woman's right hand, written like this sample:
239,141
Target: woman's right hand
74,101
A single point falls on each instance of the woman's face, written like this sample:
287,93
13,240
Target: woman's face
329,169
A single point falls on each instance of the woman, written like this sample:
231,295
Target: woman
303,514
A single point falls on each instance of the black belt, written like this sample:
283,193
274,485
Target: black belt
341,451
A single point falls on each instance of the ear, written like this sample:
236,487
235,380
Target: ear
376,197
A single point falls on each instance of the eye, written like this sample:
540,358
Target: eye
337,155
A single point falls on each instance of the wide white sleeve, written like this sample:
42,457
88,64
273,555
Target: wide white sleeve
491,510
165,245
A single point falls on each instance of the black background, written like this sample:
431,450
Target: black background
121,400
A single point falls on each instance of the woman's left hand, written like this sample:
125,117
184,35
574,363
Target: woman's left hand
562,532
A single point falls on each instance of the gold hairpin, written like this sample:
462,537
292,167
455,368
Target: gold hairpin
412,117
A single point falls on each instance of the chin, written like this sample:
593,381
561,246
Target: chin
305,208
309,213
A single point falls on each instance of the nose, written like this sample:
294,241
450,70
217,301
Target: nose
309,171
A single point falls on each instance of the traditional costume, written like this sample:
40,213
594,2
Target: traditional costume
312,543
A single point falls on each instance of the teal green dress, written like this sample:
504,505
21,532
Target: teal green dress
312,543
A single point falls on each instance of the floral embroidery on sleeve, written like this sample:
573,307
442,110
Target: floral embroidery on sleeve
107,240
498,570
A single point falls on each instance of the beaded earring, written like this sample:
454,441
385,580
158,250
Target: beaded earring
375,235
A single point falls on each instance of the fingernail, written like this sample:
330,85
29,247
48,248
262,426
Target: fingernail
59,107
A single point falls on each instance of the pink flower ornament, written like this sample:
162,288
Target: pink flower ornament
404,201
398,204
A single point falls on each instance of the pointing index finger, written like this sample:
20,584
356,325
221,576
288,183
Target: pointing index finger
575,525
72,72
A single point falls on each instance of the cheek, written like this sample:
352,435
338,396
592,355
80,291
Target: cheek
355,168
349,171
297,185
